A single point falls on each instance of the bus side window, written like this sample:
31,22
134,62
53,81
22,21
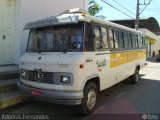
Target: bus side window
134,41
103,35
97,38
121,41
130,40
116,39
100,38
111,42
144,42
127,40
88,41
140,41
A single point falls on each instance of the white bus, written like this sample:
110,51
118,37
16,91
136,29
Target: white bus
71,57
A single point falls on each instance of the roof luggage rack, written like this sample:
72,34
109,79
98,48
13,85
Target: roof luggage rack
75,10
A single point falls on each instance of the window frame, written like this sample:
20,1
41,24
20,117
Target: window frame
100,39
120,33
50,28
91,39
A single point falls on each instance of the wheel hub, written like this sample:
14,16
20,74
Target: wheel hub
91,99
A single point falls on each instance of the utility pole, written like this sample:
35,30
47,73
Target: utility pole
138,12
137,16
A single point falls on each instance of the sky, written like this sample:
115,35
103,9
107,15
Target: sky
152,10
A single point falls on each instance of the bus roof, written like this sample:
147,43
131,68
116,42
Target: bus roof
73,17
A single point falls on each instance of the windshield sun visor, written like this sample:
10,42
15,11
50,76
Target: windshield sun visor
51,21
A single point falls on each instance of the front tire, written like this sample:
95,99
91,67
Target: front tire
134,79
90,98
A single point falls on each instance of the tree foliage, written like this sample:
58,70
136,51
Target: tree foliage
94,9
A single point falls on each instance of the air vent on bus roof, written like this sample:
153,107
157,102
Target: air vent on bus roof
75,10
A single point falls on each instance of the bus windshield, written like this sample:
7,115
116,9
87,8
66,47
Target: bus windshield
60,38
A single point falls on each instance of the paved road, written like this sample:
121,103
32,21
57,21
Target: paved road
119,101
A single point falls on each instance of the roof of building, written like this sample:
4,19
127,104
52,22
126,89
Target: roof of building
150,23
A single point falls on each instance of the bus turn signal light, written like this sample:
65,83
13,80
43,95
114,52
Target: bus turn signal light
81,66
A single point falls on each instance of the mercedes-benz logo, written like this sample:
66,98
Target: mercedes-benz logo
38,75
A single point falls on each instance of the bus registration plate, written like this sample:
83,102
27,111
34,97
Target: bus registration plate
37,92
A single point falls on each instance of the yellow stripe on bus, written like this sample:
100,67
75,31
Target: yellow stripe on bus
120,58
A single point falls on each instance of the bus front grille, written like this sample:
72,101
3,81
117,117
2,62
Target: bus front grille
41,77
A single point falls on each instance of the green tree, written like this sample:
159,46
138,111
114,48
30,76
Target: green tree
94,9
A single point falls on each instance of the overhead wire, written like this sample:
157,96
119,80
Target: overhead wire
120,10
124,7
145,7
117,9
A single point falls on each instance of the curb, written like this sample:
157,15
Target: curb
11,101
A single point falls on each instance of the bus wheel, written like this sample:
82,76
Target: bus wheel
90,98
135,77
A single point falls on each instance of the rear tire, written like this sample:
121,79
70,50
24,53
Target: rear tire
90,99
134,79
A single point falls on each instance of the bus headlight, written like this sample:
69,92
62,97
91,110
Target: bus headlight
66,79
23,74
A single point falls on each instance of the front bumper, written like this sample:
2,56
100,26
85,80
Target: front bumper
58,97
